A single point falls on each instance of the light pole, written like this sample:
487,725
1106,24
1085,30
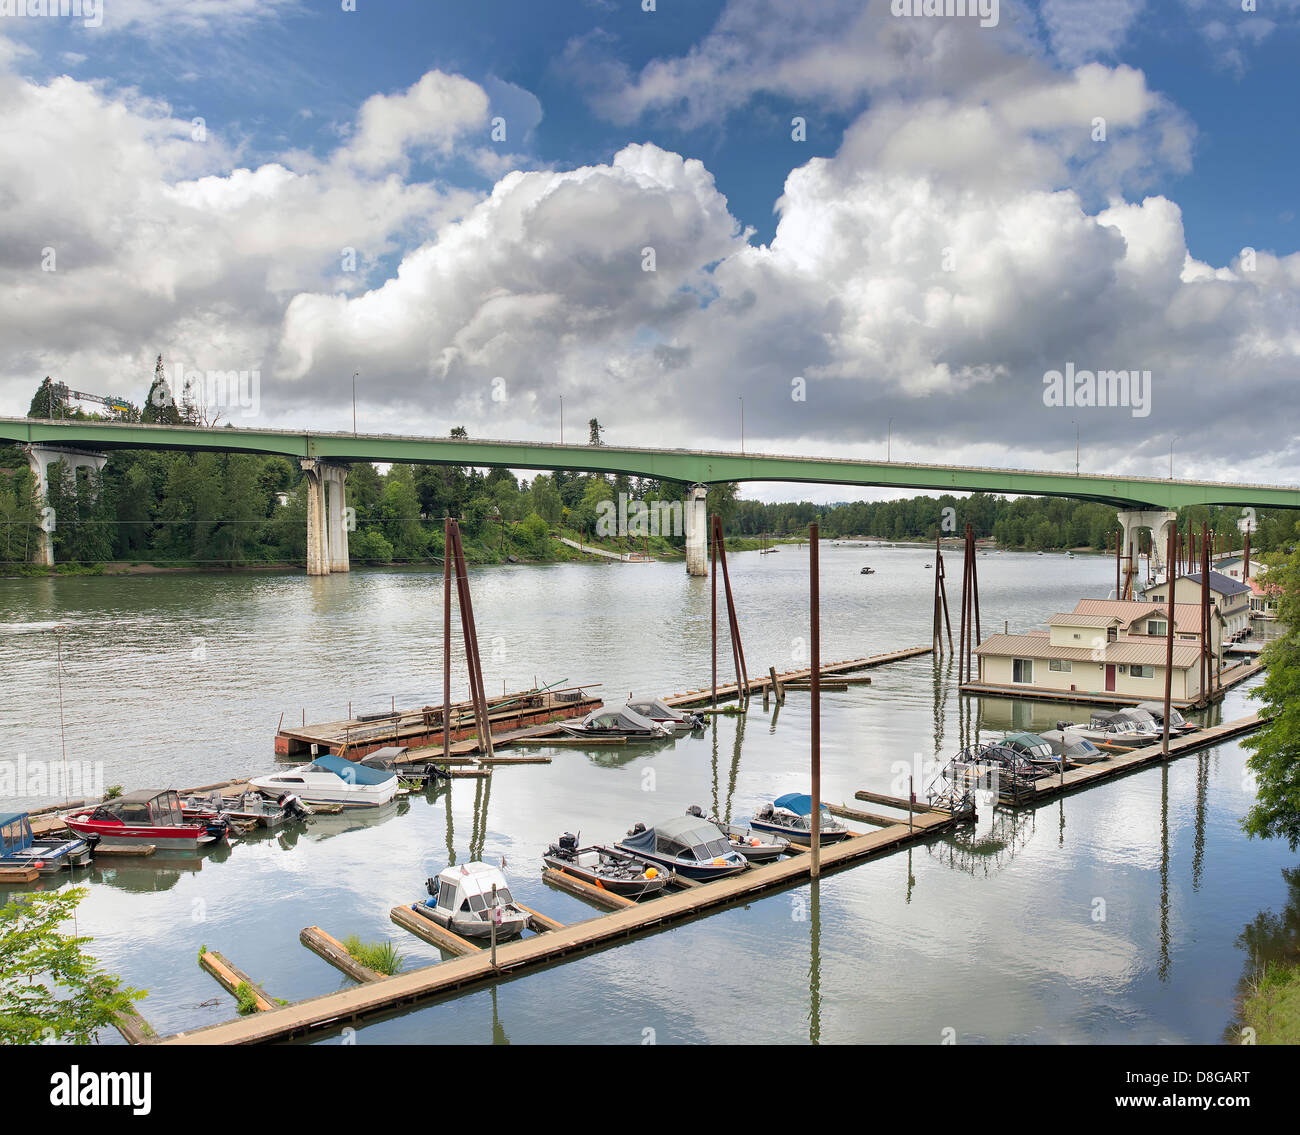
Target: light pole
1171,459
354,402
561,419
742,423
889,441
1076,458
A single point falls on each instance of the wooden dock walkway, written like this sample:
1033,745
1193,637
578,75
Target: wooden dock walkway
332,1010
1087,775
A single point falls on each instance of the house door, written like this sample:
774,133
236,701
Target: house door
1110,678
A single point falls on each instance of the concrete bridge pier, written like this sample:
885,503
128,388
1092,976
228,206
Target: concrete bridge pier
1156,521
327,537
40,458
697,530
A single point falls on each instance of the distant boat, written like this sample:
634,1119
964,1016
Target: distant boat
767,549
19,848
928,566
867,571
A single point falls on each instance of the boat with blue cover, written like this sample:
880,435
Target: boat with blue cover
19,848
791,816
331,780
686,845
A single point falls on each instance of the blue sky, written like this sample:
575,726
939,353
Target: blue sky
926,139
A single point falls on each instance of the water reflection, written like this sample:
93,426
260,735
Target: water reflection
984,848
1268,939
1162,970
723,807
815,964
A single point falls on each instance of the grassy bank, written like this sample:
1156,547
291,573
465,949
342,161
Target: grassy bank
1272,1005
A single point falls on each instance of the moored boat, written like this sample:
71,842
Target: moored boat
19,848
1076,749
605,867
661,713
1178,724
791,816
151,816
686,845
618,722
756,847
468,899
331,780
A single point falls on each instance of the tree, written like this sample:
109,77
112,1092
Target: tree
50,989
596,435
46,402
1275,749
160,406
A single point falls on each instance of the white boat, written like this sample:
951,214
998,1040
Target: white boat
660,712
463,900
331,780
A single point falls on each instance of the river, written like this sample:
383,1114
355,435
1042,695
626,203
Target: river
1113,915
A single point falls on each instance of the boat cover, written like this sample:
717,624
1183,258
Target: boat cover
655,706
619,718
350,771
800,803
689,831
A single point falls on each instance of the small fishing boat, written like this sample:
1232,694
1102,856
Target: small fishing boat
331,780
1178,724
617,722
661,713
687,845
150,816
606,868
1033,748
468,899
867,571
928,566
19,848
1112,729
791,816
246,811
744,839
1076,749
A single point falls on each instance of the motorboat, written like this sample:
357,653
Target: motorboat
995,763
1033,748
1077,749
331,780
867,571
1178,724
618,721
686,845
606,868
247,810
469,899
660,712
1112,729
791,816
151,816
757,848
19,848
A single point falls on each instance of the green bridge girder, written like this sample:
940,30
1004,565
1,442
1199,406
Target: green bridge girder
692,466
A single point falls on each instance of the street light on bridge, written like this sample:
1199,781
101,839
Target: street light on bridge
1171,458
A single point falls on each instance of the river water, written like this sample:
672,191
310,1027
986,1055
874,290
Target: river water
1124,913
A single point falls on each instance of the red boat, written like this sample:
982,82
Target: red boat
148,817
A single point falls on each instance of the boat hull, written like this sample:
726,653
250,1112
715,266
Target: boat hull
349,795
803,839
135,835
510,927
627,888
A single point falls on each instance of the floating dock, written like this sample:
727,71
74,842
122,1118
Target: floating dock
413,987
1231,676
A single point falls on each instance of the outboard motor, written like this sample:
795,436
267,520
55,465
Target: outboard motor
765,812
636,829
694,810
431,885
568,843
292,806
697,720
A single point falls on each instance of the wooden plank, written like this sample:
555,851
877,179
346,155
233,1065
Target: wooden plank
585,890
528,760
576,939
140,849
334,952
538,922
864,817
893,801
134,1028
232,977
19,874
431,932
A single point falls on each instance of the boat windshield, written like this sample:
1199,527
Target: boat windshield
713,849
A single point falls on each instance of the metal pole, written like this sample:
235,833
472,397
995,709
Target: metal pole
889,442
495,909
1169,646
713,610
446,639
354,402
816,690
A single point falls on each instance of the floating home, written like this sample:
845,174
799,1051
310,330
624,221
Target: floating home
1231,597
1114,649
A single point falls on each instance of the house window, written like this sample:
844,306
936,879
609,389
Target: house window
1157,627
1142,671
1112,634
1059,665
1077,636
1022,670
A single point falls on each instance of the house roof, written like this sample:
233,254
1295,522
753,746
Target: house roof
1127,651
1082,619
1187,616
1224,585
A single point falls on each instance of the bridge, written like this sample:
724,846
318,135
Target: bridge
1142,502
